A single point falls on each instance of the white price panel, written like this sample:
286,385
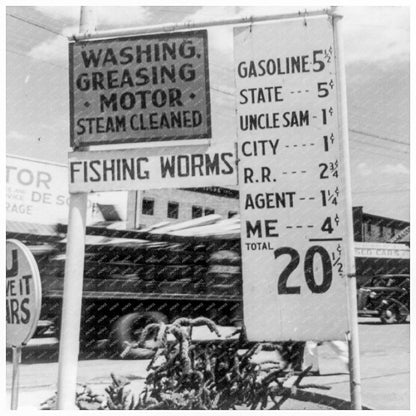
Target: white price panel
292,196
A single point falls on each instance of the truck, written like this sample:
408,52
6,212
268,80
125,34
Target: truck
136,277
133,278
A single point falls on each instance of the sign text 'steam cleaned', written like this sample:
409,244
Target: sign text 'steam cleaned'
140,87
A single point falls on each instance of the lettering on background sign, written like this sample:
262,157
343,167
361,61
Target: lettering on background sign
381,252
28,177
37,194
17,293
28,187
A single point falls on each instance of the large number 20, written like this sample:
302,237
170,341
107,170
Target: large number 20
284,289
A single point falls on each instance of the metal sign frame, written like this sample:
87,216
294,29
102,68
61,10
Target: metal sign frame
72,301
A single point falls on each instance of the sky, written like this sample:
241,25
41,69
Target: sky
377,56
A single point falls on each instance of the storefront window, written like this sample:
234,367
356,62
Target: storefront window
196,211
380,231
173,210
148,206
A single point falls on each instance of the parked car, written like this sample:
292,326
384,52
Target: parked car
386,296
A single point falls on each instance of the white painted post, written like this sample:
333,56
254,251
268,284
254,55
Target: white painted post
17,357
133,209
74,276
87,20
353,339
72,301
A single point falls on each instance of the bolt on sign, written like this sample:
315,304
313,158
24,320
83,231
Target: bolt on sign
23,294
291,185
140,89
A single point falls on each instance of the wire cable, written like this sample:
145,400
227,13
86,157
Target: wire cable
36,24
388,156
363,133
222,91
36,59
377,145
380,191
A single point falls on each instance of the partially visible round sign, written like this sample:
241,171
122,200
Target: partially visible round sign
23,294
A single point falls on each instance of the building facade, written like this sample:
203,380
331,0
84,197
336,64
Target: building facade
178,205
374,228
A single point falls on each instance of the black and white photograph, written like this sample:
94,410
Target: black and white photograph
208,206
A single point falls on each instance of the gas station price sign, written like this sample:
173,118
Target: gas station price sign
292,196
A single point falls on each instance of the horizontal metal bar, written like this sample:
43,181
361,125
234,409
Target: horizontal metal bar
150,236
172,27
201,297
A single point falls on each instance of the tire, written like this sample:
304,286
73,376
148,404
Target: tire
402,319
128,329
390,315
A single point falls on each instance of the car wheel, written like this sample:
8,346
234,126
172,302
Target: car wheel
402,318
128,329
390,315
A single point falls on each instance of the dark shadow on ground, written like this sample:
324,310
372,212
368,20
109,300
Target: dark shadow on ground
381,323
36,355
50,354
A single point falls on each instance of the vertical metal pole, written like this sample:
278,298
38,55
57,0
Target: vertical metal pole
87,21
133,209
72,301
17,355
74,274
353,339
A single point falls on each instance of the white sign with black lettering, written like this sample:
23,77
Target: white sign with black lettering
23,294
291,190
134,169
